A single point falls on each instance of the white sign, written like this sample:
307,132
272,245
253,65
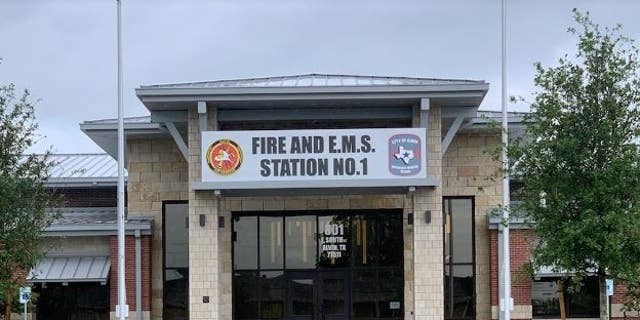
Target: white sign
25,294
314,158
334,243
609,285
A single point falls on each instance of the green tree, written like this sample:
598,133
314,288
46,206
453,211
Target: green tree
23,196
578,162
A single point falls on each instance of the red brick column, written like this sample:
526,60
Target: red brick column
618,299
519,252
130,272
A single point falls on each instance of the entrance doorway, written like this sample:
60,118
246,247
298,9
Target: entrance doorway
318,265
317,295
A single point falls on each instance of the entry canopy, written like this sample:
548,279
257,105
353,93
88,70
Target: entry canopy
68,269
311,101
314,88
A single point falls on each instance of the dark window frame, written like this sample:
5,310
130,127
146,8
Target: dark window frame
451,265
164,254
567,297
377,268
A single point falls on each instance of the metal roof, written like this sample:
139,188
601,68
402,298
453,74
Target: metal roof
85,165
71,269
316,80
94,221
141,119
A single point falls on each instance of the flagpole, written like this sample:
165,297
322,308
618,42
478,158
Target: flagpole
505,299
122,310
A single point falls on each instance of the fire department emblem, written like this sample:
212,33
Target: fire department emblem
405,158
224,157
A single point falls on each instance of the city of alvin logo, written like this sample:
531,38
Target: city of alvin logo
224,157
405,158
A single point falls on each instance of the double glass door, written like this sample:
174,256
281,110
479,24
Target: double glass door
317,295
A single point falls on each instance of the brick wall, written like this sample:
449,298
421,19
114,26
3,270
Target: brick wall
519,249
130,276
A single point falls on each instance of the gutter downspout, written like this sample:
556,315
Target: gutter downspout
138,275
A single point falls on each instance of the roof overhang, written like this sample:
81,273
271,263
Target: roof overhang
168,98
82,182
94,221
97,229
105,134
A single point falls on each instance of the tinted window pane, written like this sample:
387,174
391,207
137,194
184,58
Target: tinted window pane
391,243
544,298
391,295
271,248
463,304
176,293
364,297
176,234
176,260
245,247
301,242
364,240
459,281
245,295
584,302
272,295
333,235
301,296
462,216
581,303
333,292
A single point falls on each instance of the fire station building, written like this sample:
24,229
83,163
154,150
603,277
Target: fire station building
320,197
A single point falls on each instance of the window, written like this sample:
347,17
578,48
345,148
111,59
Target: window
459,259
583,302
301,243
176,260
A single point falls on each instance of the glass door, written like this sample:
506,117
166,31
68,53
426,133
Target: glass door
333,298
301,297
322,295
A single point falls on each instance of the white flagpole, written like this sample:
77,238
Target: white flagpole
505,297
122,310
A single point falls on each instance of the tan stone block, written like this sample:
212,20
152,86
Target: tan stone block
252,205
136,167
147,196
295,204
317,204
469,171
338,203
139,146
169,176
150,177
273,204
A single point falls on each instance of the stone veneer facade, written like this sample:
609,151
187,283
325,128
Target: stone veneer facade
158,172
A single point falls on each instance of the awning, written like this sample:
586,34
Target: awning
553,272
71,269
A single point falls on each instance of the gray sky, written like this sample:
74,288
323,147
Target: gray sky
64,50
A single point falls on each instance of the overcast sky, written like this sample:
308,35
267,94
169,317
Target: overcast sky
63,51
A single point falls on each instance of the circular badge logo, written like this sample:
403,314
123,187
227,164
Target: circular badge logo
224,157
